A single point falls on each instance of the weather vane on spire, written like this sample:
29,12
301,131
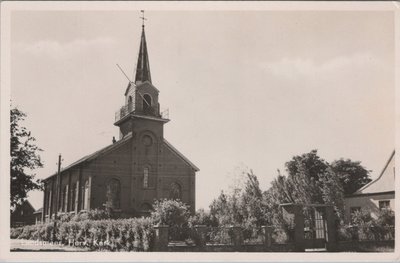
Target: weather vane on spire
142,17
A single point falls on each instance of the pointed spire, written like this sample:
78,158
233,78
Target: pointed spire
143,66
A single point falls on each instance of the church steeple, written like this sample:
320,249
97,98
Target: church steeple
143,66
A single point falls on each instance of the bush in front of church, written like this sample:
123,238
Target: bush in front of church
175,214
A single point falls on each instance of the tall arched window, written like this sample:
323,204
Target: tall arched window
114,194
61,202
146,177
130,104
146,103
65,203
73,197
175,191
85,195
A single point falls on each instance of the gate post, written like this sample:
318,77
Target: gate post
267,230
161,238
331,238
296,215
201,231
298,228
237,236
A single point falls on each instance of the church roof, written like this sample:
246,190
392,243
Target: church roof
384,182
143,66
96,154
181,155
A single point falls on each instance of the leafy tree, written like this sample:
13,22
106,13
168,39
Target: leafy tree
202,217
332,191
24,159
173,213
244,206
309,163
352,174
310,180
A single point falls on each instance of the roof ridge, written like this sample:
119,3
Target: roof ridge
180,155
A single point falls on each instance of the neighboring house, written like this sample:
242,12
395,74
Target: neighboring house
23,215
377,195
128,175
38,216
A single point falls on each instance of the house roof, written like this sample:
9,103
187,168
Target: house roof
384,182
96,154
24,203
40,210
179,154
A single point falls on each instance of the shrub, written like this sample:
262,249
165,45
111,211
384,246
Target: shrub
202,217
173,213
16,232
386,218
108,234
95,214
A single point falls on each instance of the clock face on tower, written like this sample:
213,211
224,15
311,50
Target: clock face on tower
147,140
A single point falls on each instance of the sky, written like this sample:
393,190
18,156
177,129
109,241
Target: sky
244,89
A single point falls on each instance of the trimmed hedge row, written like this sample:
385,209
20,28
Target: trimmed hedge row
134,234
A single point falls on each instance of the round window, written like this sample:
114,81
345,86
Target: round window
147,140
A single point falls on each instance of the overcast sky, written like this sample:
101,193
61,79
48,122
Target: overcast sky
244,89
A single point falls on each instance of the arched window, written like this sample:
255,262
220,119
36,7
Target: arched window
146,177
114,194
73,197
85,195
62,201
146,103
130,107
175,191
65,199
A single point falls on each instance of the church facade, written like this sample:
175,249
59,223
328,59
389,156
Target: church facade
128,175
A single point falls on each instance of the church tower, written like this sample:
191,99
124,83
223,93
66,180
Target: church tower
141,97
141,119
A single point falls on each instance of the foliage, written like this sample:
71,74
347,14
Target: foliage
16,232
123,234
310,180
352,174
173,213
24,159
202,217
386,217
364,227
92,214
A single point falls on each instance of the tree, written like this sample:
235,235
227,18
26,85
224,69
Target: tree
310,180
310,163
173,213
24,159
352,174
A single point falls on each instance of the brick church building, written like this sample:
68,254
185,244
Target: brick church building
131,173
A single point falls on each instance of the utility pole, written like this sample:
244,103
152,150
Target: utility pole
58,191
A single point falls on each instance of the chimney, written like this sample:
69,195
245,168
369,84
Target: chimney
114,140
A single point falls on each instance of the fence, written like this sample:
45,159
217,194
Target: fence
366,233
217,239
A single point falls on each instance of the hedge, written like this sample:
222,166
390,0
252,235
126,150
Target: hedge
135,234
